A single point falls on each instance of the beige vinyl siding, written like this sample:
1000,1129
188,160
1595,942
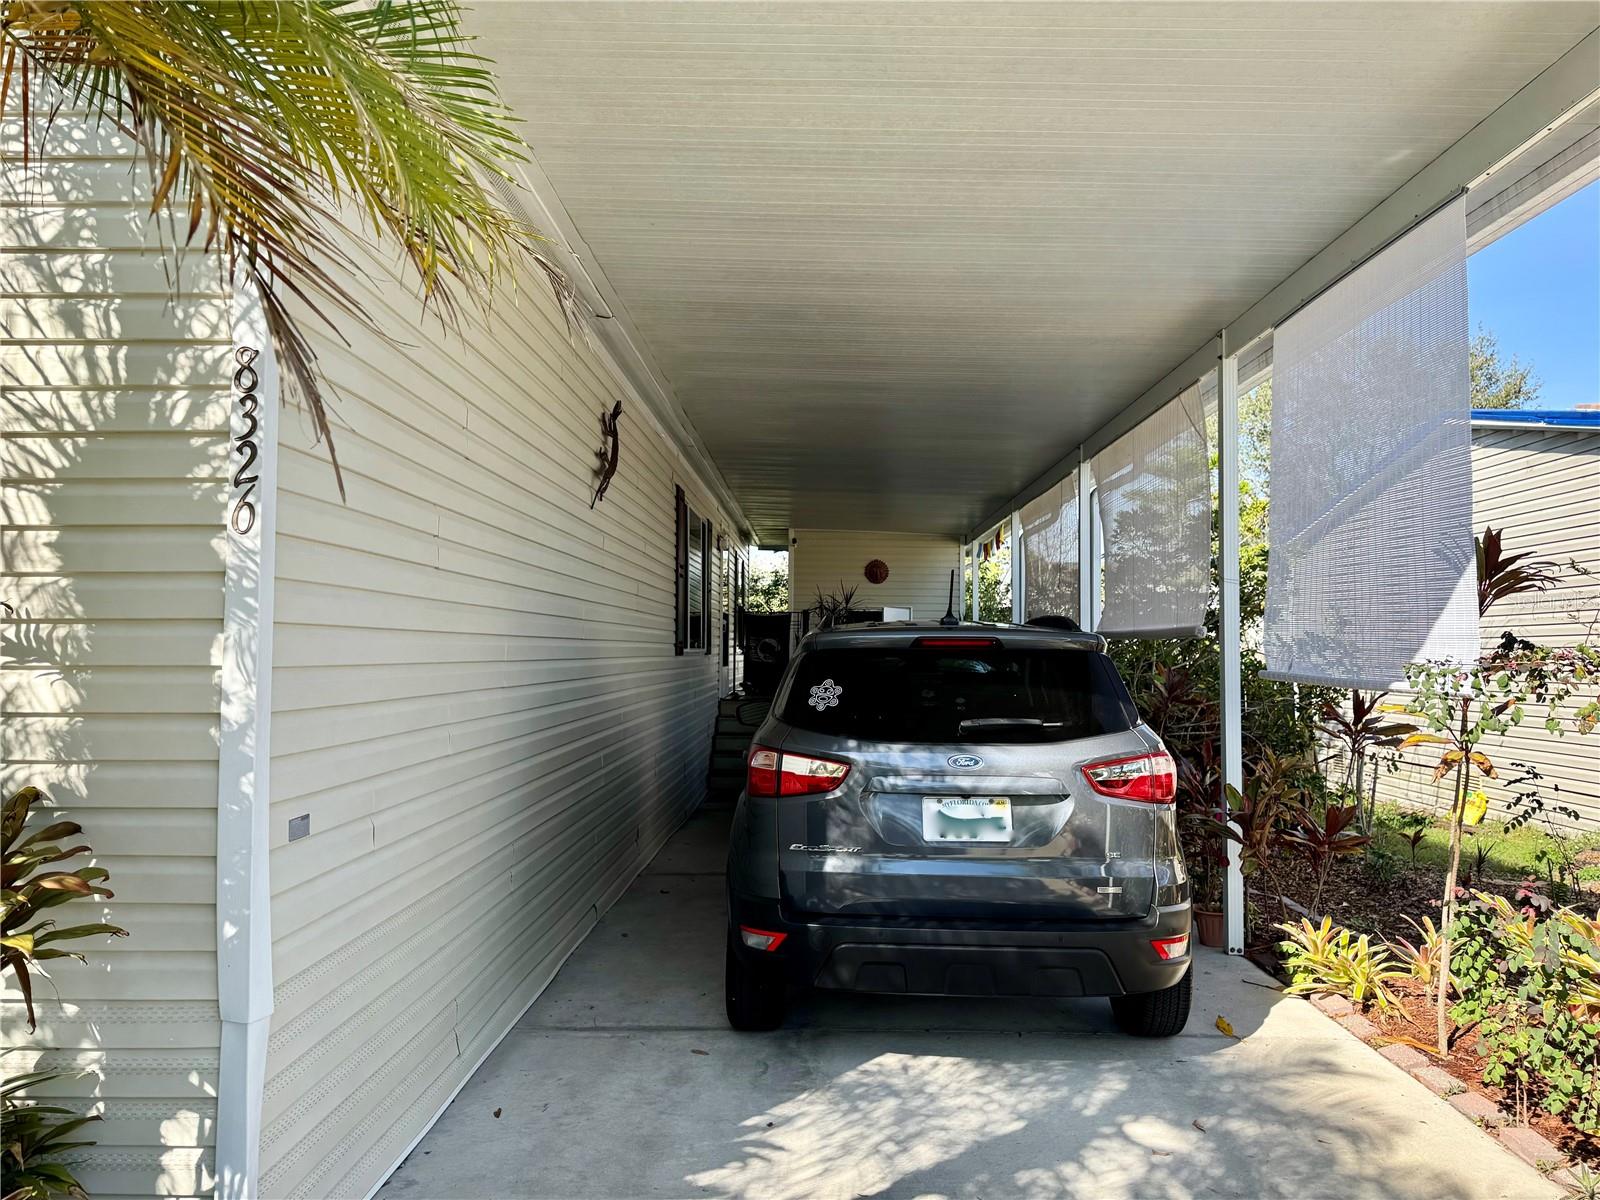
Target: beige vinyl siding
919,569
114,414
1542,487
475,701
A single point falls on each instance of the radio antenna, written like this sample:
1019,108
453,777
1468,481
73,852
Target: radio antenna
950,617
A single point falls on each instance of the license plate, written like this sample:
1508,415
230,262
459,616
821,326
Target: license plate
966,819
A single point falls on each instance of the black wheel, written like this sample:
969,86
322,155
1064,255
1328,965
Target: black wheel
757,999
1155,1014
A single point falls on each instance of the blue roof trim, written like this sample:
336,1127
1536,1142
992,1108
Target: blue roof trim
1566,418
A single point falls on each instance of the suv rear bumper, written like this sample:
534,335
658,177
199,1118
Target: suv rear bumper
967,958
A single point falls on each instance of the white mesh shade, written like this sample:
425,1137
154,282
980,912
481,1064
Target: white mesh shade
1371,561
1153,497
1050,552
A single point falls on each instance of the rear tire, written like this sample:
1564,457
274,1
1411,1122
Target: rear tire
1156,1014
757,997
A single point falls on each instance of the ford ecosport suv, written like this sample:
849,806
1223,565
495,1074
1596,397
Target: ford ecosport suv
957,810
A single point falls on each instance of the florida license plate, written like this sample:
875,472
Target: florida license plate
966,819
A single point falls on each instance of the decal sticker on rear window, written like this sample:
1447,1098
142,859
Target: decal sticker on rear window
825,695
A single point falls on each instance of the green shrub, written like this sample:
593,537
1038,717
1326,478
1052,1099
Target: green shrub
1532,986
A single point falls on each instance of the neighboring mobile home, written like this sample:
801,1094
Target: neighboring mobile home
1536,477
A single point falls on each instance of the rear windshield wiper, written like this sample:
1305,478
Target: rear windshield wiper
1007,722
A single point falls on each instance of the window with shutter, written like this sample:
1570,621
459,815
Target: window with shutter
680,585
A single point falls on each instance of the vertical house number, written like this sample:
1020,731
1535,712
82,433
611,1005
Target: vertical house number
244,483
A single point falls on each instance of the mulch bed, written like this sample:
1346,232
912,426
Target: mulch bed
1367,901
1415,1023
1378,903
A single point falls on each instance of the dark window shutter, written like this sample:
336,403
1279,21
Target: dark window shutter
705,582
680,586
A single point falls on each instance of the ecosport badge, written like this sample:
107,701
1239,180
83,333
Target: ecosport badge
964,762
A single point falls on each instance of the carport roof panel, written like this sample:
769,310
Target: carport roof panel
894,259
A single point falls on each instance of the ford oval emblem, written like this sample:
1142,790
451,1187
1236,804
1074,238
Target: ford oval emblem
964,762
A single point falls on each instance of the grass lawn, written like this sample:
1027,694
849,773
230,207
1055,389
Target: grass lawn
1507,854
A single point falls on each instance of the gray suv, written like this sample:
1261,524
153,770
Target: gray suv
957,810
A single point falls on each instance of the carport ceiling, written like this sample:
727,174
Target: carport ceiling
896,258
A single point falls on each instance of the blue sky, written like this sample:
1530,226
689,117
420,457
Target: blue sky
1538,291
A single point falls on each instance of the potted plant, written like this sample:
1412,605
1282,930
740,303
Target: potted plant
1207,858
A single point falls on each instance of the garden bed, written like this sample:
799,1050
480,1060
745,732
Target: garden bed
1382,897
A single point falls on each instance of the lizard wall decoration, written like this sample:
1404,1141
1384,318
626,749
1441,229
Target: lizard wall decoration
609,453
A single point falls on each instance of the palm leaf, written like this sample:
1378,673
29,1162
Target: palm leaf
263,124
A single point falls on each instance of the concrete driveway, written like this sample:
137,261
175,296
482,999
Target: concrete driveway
624,1081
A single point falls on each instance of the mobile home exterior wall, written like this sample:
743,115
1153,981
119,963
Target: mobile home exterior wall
476,703
476,710
115,435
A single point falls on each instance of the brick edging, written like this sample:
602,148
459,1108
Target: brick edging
1528,1145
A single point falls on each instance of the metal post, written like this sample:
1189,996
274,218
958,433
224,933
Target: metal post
962,591
1087,565
976,611
1018,582
1228,619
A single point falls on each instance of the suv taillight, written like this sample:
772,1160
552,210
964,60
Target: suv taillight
1152,778
772,773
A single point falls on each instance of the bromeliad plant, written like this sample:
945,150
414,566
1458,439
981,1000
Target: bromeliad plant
265,125
34,886
1329,958
33,1135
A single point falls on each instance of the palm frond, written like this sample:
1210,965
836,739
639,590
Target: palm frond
263,124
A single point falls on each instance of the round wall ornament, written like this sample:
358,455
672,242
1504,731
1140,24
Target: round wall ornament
877,571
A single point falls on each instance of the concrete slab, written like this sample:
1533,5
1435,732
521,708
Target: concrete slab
624,1081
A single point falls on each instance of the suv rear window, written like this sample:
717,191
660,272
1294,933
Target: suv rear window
936,694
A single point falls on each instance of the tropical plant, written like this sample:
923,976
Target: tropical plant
26,937
267,129
1330,959
1459,706
835,609
1421,957
34,1135
1323,837
1501,575
1365,729
1531,986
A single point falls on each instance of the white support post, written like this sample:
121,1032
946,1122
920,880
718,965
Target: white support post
1228,620
1087,573
1018,575
958,597
976,611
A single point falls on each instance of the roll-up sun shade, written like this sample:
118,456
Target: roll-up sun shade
1153,496
1050,552
1371,560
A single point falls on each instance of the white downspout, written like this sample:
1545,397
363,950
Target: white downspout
244,930
1228,620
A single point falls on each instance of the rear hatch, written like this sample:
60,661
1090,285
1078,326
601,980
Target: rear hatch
966,795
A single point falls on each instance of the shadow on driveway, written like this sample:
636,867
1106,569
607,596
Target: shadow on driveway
624,1081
